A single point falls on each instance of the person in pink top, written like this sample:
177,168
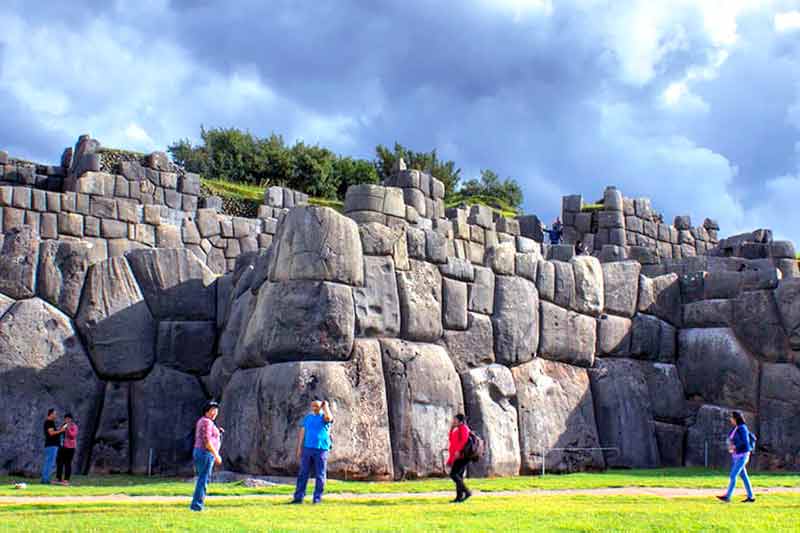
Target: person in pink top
206,452
66,452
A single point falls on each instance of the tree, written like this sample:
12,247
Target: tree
349,171
490,185
192,158
428,162
313,170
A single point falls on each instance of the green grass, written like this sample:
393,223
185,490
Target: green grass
517,513
254,193
155,486
591,207
496,204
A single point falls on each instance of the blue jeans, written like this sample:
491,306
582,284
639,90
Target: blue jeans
319,460
50,454
203,465
738,470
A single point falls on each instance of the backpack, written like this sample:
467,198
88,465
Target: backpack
475,447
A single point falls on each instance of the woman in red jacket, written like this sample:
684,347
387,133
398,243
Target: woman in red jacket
459,435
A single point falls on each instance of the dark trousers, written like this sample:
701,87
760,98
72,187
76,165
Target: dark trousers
457,475
318,460
64,463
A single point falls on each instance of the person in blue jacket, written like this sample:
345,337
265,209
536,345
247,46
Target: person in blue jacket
741,443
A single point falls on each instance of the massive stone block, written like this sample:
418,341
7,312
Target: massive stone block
661,296
43,365
589,291
420,291
787,296
186,346
489,393
653,339
515,320
564,295
175,283
666,391
546,280
472,347
716,368
614,336
111,450
481,292
779,411
621,287
555,408
164,409
303,320
423,391
670,438
116,322
264,408
317,243
709,433
757,324
62,273
567,336
377,305
624,414
708,314
378,239
19,256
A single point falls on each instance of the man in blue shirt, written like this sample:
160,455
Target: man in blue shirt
313,444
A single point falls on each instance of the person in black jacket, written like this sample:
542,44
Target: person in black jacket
741,443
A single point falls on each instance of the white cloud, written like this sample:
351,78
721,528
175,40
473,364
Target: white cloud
787,21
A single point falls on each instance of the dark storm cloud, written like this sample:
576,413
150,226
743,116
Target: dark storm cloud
565,98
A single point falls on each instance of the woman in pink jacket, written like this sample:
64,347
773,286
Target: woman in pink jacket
66,452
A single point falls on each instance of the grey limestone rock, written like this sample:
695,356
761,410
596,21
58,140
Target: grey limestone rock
62,273
670,438
757,324
614,336
481,292
621,287
661,296
716,368
175,283
164,408
555,406
19,256
653,339
779,410
489,396
666,391
589,292
116,322
264,407
567,336
515,320
317,243
304,320
377,306
546,280
423,392
187,346
564,295
420,291
472,347
111,453
787,297
43,365
501,258
624,414
708,314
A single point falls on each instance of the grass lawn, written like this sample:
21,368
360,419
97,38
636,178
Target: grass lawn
254,193
156,486
517,513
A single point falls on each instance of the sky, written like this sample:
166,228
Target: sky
695,104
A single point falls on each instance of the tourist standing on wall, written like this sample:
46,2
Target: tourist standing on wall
555,231
52,441
741,443
206,452
456,460
313,445
67,450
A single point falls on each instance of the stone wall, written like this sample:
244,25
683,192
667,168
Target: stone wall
401,312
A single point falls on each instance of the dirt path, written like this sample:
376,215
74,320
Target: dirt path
622,491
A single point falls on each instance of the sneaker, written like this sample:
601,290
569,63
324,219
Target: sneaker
466,496
749,500
295,502
315,502
456,500
724,499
